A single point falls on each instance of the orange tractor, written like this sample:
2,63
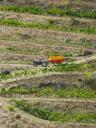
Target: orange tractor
51,59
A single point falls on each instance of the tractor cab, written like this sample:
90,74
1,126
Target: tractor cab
40,62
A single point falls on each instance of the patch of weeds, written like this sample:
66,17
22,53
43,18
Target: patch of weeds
21,73
11,49
11,22
11,108
85,93
50,11
45,113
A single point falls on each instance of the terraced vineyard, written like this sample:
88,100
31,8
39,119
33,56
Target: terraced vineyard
57,96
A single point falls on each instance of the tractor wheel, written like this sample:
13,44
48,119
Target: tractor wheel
44,64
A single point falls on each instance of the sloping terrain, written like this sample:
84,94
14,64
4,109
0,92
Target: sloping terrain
59,95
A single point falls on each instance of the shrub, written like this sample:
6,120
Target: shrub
11,108
87,52
91,83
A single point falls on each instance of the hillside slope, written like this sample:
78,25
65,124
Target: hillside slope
57,96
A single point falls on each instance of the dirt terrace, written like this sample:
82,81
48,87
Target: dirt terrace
60,21
89,5
34,48
20,119
44,33
69,79
70,105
